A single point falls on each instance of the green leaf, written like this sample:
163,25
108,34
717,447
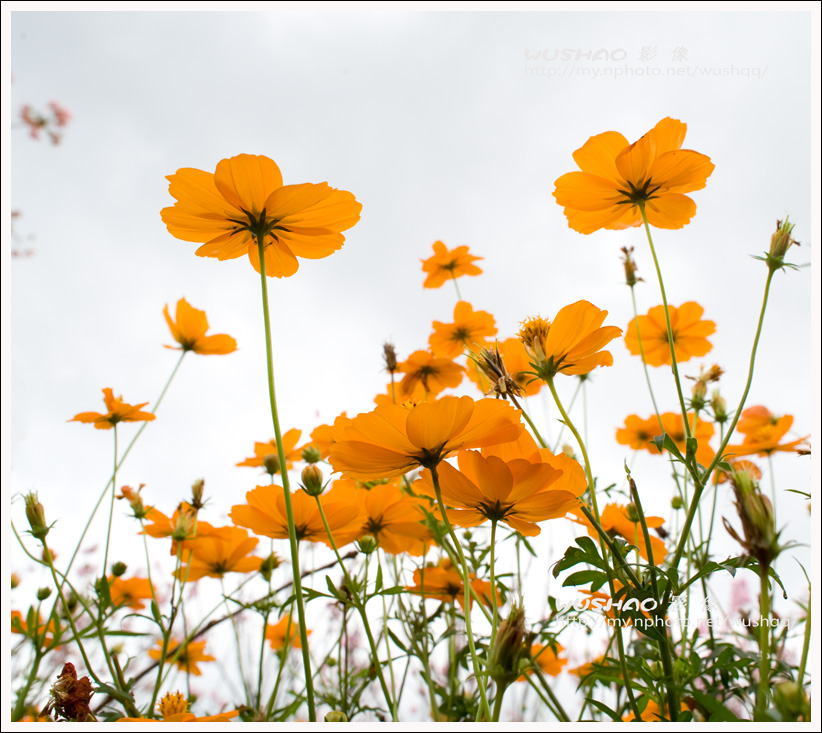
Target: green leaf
583,577
719,713
602,707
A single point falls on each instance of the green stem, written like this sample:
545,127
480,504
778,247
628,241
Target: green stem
800,677
604,537
644,363
560,711
360,606
555,447
292,534
237,641
764,652
498,702
529,421
484,709
111,509
387,639
23,692
495,622
674,367
454,278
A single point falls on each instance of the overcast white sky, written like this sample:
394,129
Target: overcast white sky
445,126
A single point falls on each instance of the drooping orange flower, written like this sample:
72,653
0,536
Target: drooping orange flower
434,373
639,433
616,178
753,418
290,449
19,626
173,708
118,411
265,514
131,592
448,264
689,330
614,518
187,658
224,550
517,492
393,518
245,197
571,343
285,631
763,438
393,439
190,332
548,659
445,584
469,330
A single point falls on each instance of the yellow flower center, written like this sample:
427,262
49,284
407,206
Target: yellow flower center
173,703
533,332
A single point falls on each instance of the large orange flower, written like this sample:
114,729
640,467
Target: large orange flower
764,434
188,658
224,550
434,373
446,264
517,492
468,331
689,330
393,518
616,178
285,631
290,449
547,658
571,343
118,411
614,518
190,332
245,196
131,592
173,708
265,514
393,439
639,434
445,584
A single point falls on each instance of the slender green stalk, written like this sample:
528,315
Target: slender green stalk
560,711
463,570
358,604
23,692
454,278
495,622
555,447
529,421
292,534
674,367
645,363
498,703
800,676
764,651
387,638
238,643
604,537
111,509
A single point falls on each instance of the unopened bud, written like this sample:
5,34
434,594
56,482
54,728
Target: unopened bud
630,267
15,580
367,543
36,516
390,356
677,503
632,513
271,463
43,593
186,524
197,493
789,699
505,654
135,501
271,563
118,569
568,450
312,478
311,454
782,239
336,717
719,406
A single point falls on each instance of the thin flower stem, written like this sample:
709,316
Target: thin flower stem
484,709
237,641
292,534
700,485
387,638
570,407
358,604
454,278
498,702
111,509
764,651
529,421
560,711
644,363
674,367
23,692
265,615
495,622
800,676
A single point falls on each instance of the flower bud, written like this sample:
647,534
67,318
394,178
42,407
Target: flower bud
15,580
312,478
336,717
36,516
197,494
186,525
782,239
271,463
761,540
118,569
367,544
271,563
390,356
632,513
135,501
789,699
676,503
719,406
43,593
630,267
505,654
311,454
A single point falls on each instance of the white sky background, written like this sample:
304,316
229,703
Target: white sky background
443,130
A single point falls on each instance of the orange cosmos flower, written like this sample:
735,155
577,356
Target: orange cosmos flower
261,450
265,514
435,374
614,518
639,434
393,518
448,264
395,396
19,626
516,492
187,659
223,551
190,332
245,197
393,439
118,411
617,178
763,437
173,708
738,466
571,343
753,418
547,658
131,592
468,331
689,331
285,631
652,713
445,584
322,438
182,526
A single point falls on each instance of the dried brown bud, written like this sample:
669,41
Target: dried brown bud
491,365
197,494
390,356
70,697
630,267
